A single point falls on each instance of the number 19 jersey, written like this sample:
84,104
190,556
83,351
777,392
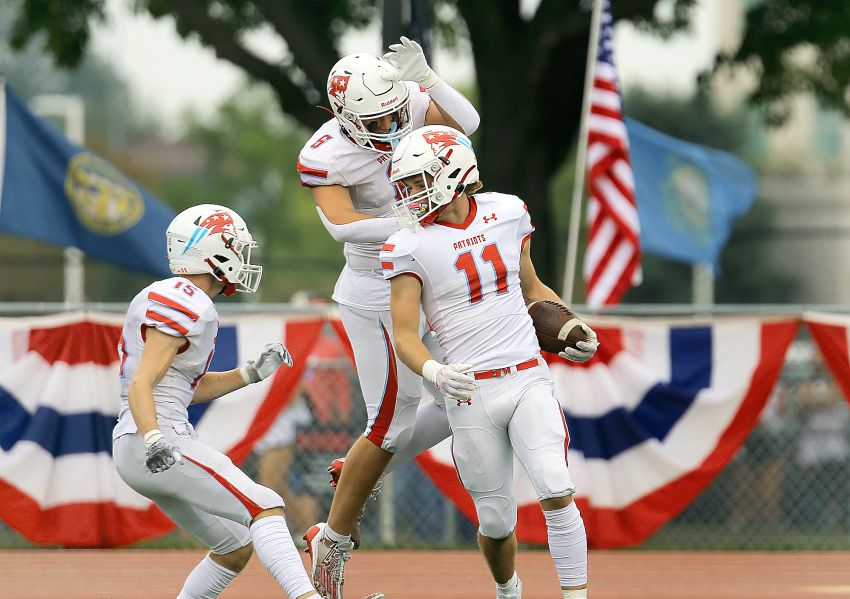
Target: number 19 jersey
469,273
177,308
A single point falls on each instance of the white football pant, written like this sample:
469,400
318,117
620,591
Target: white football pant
206,494
513,413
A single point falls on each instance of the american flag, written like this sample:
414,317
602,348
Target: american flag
612,259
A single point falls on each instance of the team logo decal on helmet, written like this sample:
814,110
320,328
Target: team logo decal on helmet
337,86
220,222
440,140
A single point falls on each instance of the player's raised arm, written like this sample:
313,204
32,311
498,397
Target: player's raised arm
448,106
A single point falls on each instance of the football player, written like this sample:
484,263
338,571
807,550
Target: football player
375,102
465,258
166,346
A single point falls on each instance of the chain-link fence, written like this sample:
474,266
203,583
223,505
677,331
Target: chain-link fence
788,487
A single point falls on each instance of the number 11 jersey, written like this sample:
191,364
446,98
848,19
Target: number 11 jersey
469,272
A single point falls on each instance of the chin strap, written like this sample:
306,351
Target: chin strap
229,288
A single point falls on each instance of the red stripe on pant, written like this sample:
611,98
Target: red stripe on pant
252,507
387,407
566,433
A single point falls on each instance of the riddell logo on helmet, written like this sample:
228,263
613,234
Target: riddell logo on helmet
388,102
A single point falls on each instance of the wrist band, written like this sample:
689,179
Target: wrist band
431,79
152,436
430,369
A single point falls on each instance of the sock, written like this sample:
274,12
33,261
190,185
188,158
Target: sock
332,535
511,584
575,594
273,545
206,581
568,546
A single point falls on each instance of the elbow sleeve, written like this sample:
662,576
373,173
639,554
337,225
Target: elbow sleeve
361,231
453,103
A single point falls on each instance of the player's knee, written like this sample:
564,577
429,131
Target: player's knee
401,439
549,504
496,516
269,498
235,561
272,502
551,478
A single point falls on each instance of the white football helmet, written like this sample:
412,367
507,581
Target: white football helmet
444,158
358,93
213,239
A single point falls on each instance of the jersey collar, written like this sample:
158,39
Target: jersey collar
473,210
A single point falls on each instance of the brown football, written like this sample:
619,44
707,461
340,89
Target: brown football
551,321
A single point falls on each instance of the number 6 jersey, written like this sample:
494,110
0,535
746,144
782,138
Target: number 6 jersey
470,281
177,308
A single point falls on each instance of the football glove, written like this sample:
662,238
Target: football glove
160,455
450,379
274,354
584,350
409,64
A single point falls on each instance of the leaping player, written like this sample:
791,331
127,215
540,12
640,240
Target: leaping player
166,346
466,260
375,102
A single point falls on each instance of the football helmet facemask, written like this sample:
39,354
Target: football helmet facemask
213,239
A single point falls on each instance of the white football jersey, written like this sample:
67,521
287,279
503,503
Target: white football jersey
177,308
330,158
470,281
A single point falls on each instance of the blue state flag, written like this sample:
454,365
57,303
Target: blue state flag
688,195
56,192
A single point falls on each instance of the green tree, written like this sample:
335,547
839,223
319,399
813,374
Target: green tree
530,68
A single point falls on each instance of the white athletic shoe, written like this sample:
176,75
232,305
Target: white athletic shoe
514,592
327,561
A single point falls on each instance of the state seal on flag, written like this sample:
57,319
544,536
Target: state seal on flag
105,201
686,201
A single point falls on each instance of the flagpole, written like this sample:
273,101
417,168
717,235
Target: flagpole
71,109
581,155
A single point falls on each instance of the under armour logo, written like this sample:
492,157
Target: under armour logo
467,401
487,219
